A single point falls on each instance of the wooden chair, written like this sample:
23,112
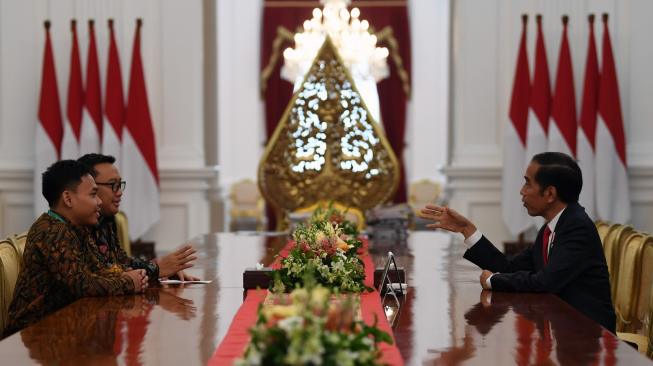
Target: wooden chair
122,225
628,285
420,194
9,269
604,228
644,342
611,248
18,241
247,205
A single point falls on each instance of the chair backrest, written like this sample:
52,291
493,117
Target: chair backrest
9,269
18,241
246,199
644,305
423,191
629,282
612,250
122,224
603,228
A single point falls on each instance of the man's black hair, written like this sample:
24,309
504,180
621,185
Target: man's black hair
91,160
560,171
61,176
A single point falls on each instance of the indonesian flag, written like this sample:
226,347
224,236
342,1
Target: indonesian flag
540,99
75,102
91,134
612,197
587,133
114,104
562,132
514,143
49,130
139,167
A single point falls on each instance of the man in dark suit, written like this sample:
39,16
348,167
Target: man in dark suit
567,257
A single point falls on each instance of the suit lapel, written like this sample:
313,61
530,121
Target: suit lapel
571,208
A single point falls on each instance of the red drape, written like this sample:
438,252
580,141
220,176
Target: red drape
393,91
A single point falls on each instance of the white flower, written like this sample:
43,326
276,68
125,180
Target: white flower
291,323
259,266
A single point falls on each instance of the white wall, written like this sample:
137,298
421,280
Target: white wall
172,52
484,49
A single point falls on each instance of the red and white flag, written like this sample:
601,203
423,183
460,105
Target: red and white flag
612,194
587,124
540,99
91,133
74,103
562,130
139,167
514,143
49,130
114,104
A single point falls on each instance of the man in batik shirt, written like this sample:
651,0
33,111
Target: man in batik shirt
58,265
109,251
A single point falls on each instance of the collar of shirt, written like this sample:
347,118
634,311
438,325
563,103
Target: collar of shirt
552,226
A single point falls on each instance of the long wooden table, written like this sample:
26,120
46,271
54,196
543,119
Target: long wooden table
446,318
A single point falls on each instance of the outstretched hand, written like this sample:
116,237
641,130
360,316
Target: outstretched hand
176,261
447,219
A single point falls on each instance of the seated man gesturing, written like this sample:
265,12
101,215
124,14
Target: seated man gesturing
110,189
567,257
58,265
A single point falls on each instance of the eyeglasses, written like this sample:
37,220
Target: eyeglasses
115,186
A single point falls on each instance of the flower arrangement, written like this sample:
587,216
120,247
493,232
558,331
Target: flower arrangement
313,329
336,218
322,250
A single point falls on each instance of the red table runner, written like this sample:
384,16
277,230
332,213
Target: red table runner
237,338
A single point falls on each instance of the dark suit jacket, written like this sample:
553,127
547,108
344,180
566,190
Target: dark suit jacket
576,271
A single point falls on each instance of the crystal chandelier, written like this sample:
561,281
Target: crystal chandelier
350,35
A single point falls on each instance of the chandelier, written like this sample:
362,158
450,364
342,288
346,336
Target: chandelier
349,34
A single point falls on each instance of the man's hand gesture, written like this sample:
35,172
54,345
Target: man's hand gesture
176,261
447,219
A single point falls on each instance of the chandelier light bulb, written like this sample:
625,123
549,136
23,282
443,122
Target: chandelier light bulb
349,34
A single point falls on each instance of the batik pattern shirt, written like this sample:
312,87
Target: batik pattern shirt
110,253
59,267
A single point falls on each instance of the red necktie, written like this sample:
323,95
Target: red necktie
545,244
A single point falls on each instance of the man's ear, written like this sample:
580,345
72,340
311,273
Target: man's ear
551,194
67,199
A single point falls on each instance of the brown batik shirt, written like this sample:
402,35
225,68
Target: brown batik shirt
59,267
109,252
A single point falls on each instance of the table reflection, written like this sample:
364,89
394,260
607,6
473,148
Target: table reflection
102,328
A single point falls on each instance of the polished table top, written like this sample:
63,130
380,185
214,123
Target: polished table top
446,318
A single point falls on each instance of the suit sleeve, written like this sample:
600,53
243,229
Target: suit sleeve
150,267
565,264
62,259
485,255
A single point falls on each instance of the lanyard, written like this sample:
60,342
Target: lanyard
56,216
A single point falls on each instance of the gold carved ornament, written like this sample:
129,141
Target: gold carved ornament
327,147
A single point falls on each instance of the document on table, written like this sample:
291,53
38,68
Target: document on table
175,282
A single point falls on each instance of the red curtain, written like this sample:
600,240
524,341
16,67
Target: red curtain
394,91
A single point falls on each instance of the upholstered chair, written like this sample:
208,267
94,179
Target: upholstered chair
9,268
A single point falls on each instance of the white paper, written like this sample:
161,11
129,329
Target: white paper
174,282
